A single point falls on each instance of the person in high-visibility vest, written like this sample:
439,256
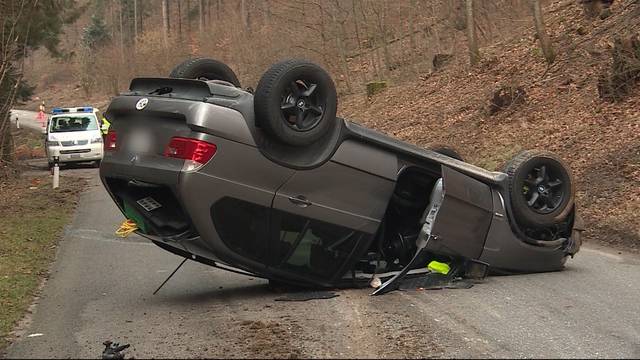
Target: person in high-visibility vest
104,127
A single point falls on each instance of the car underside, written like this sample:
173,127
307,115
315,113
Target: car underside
273,184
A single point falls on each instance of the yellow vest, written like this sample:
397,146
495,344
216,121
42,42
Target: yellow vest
105,126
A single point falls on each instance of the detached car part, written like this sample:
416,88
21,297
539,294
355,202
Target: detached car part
275,185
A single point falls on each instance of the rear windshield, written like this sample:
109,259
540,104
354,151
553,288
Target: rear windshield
73,123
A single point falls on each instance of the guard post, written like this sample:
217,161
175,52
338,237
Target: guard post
56,168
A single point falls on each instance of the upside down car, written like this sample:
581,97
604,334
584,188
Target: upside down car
272,184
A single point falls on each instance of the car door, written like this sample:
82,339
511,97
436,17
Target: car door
323,217
464,216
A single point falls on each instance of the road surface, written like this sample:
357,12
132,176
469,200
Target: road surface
101,287
26,119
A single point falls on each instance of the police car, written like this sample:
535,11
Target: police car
73,134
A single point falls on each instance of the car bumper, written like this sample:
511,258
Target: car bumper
78,153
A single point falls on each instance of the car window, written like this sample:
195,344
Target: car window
242,226
73,123
313,247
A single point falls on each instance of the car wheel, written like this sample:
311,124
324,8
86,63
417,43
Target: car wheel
446,150
541,189
296,102
96,164
205,69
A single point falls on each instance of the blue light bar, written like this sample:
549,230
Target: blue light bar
82,109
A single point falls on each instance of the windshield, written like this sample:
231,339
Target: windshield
68,123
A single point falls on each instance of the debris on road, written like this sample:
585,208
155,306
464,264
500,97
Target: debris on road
113,350
308,295
435,281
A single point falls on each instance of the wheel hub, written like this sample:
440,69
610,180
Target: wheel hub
303,107
543,190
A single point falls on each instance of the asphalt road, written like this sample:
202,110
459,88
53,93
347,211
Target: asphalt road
100,288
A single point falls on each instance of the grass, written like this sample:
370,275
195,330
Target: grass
28,143
32,219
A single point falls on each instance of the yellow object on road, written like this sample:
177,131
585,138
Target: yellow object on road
127,227
441,268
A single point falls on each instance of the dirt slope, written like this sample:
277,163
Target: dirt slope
562,113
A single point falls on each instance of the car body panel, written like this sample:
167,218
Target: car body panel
367,158
338,194
504,250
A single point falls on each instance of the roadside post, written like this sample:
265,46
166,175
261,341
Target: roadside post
56,168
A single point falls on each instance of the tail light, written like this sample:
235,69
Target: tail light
195,152
110,143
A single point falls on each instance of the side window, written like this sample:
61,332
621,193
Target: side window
313,247
242,226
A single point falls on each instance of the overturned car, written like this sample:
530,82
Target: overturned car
273,184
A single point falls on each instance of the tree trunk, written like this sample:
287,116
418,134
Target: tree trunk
412,30
135,20
122,35
201,15
341,50
358,38
371,42
382,31
141,17
474,51
179,22
267,12
188,19
165,22
244,18
545,42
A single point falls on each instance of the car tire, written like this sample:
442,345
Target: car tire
96,164
446,150
296,102
541,189
205,69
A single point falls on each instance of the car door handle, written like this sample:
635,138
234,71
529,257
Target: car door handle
300,201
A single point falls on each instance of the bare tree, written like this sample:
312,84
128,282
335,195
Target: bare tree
165,22
472,38
188,2
339,25
244,15
122,32
179,21
545,42
201,16
412,19
382,31
135,20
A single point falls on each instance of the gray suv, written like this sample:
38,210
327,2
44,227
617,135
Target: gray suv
273,184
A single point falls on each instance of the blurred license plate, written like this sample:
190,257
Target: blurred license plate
140,141
75,156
